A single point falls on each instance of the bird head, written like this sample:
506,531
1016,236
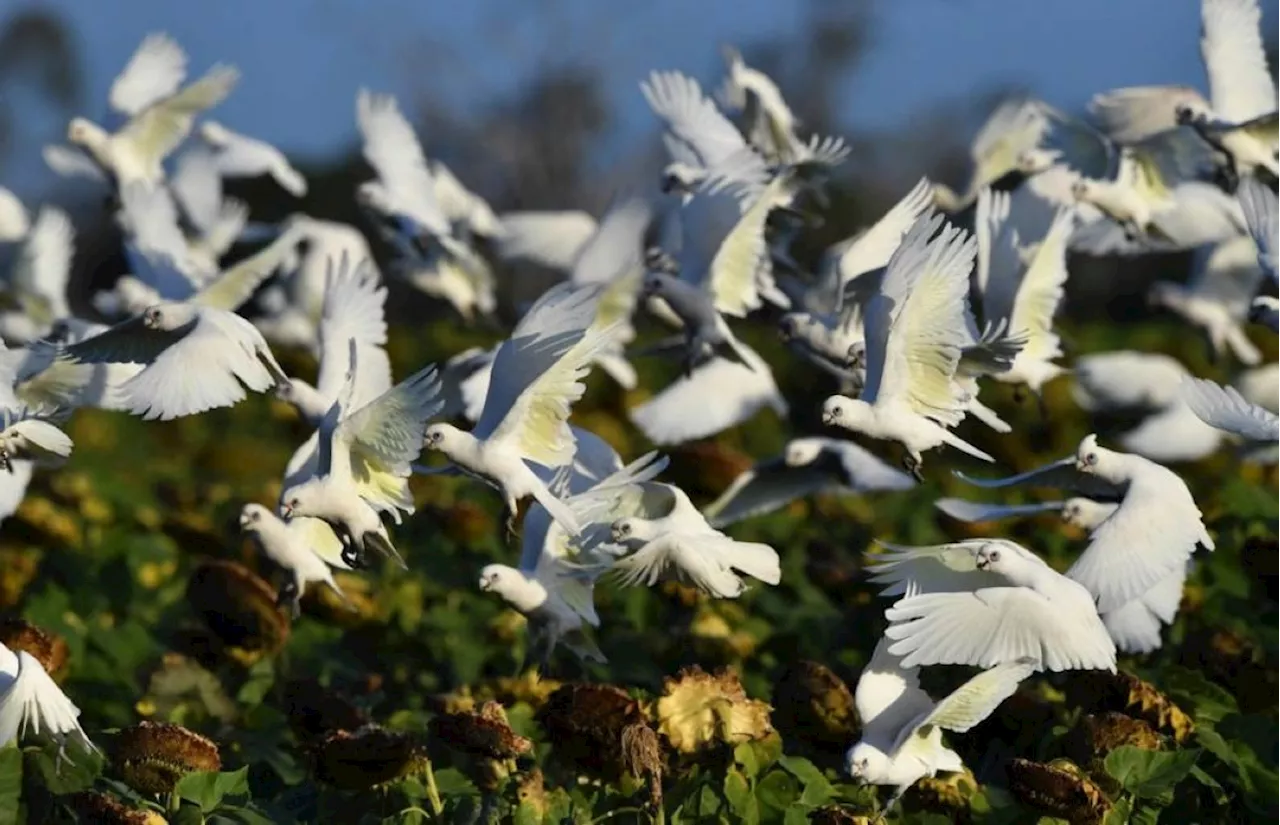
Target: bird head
1036,160
839,411
654,284
1262,308
1089,455
856,356
991,556
251,517
1190,112
214,133
439,436
1084,513
371,195
1082,190
625,529
153,317
82,132
865,763
681,178
299,500
493,577
801,451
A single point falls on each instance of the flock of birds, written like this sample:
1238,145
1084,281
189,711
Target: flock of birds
889,316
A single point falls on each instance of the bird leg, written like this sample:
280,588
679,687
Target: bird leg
352,553
291,594
912,463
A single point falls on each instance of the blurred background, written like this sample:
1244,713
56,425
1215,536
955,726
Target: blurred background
536,104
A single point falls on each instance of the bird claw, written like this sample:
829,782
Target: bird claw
912,465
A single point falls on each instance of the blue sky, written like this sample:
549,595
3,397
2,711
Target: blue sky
303,60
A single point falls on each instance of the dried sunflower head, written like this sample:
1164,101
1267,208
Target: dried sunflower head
949,794
1098,690
315,710
837,815
814,705
484,733
595,728
1104,732
49,649
152,756
104,809
1058,789
366,757
238,606
699,710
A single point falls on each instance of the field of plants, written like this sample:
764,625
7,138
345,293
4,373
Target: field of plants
124,574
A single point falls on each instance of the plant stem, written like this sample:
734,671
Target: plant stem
433,793
175,802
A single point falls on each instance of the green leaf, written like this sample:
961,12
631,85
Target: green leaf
208,788
737,792
10,785
745,757
1120,811
778,790
1205,700
1147,774
261,677
796,815
73,771
817,788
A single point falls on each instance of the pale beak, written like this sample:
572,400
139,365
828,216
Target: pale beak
244,522
1082,466
828,419
286,511
484,583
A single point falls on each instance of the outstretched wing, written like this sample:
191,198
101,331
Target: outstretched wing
155,72
43,267
392,149
1042,289
698,133
976,512
927,283
236,285
1061,474
128,342
1225,409
941,568
1240,84
32,703
1259,205
537,375
157,130
354,310
1138,112
968,704
548,238
996,625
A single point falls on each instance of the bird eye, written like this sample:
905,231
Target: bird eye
837,411
994,555
1091,459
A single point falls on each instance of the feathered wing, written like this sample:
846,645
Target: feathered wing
1041,291
1240,84
552,239
706,560
154,72
537,375
697,132
615,247
1225,409
46,444
1061,474
13,487
354,310
383,438
995,625
873,248
978,512
1151,534
968,704
680,413
998,266
941,568
320,539
43,267
1138,112
128,342
229,290
723,245
765,488
888,696
1260,213
157,130
928,284
392,149
207,368
32,703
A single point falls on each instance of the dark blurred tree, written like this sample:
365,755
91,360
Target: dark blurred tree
36,48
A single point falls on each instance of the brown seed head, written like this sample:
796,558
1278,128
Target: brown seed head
699,710
152,756
49,649
238,606
1058,789
366,757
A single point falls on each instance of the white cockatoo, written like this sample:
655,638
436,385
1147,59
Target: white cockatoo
916,330
537,375
986,602
32,704
305,548
808,466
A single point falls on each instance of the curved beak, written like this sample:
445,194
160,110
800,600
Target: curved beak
828,419
485,583
245,521
286,511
